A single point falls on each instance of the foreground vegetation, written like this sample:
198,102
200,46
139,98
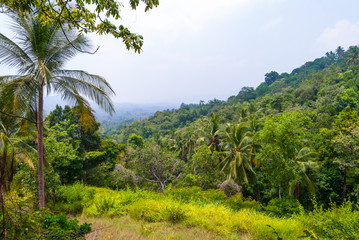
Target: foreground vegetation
178,214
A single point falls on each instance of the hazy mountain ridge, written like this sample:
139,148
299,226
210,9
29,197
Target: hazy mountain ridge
124,112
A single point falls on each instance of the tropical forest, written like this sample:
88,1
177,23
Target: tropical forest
275,161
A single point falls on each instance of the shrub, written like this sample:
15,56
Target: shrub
334,223
22,223
104,205
237,202
284,207
175,213
190,180
230,188
113,203
72,199
147,210
122,178
60,227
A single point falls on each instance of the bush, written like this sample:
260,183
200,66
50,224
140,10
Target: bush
237,202
189,180
122,178
112,203
175,213
22,223
230,188
104,205
26,183
72,199
147,210
334,223
57,225
284,207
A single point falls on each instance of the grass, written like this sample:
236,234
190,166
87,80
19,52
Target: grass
128,228
194,214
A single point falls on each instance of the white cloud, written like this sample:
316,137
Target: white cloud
344,33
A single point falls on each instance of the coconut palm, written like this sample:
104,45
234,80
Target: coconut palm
39,52
186,139
236,147
208,130
304,165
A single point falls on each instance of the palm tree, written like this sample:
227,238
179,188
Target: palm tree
304,164
186,140
39,53
12,150
209,131
236,146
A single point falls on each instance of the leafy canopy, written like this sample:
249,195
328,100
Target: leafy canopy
86,16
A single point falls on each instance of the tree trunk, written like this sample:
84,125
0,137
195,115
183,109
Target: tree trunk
297,190
345,184
2,199
40,150
279,192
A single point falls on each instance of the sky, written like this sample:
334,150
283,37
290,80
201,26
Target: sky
204,49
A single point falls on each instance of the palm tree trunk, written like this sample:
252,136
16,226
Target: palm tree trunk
40,149
2,187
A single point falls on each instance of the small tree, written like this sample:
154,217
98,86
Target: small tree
204,165
155,165
346,147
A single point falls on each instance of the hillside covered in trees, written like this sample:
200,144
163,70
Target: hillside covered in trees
294,135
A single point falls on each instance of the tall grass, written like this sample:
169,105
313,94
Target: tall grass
212,211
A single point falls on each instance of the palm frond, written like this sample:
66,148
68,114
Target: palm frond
12,55
94,87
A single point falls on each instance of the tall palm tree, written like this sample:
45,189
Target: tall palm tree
39,52
186,140
236,146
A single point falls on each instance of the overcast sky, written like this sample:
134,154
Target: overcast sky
203,49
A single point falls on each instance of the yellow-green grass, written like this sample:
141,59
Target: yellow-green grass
188,212
159,211
127,228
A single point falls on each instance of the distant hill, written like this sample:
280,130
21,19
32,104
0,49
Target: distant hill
125,112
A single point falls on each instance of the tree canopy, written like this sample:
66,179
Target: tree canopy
86,16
